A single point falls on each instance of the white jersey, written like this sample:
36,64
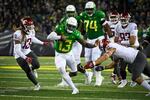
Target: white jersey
26,42
113,29
125,33
128,54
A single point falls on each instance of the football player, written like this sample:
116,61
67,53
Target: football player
137,62
71,12
93,22
127,35
64,37
23,39
113,22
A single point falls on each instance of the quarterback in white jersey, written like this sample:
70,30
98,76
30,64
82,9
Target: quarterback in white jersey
136,60
23,39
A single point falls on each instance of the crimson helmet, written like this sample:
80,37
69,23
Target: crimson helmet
27,25
124,18
114,17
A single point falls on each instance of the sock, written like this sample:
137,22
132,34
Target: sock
68,80
86,74
31,77
145,85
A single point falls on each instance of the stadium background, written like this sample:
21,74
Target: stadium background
46,14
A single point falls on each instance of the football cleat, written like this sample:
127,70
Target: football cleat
123,83
37,87
75,91
35,73
133,84
88,79
148,94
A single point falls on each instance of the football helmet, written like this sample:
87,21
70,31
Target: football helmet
70,11
114,17
71,24
124,18
90,8
104,42
27,25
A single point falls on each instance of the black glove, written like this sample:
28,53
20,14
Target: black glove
100,68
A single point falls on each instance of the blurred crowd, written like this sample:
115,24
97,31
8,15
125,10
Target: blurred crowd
46,13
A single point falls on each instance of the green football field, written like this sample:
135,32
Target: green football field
14,84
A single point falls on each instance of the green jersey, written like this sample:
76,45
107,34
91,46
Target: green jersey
93,24
65,46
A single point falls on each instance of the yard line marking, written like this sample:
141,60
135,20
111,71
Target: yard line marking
67,88
41,68
78,98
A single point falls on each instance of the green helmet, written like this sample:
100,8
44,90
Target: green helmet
90,8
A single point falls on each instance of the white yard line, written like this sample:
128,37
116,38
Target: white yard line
67,88
68,98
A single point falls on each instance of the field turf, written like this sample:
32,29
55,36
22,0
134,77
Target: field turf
14,84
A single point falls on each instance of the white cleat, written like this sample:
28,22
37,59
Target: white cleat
35,73
122,84
148,94
133,84
75,91
37,87
99,81
88,79
62,84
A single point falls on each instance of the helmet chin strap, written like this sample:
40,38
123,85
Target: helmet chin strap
69,31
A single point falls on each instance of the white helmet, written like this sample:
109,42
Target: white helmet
90,8
114,17
124,18
70,10
71,24
27,25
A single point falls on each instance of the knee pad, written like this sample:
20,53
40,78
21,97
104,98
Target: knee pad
80,68
71,74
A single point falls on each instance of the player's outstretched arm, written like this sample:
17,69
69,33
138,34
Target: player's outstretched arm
55,36
105,56
88,45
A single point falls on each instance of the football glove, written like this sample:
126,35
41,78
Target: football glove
100,68
29,60
89,64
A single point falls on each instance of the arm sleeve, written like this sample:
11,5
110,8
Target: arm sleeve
134,30
53,36
37,41
18,51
